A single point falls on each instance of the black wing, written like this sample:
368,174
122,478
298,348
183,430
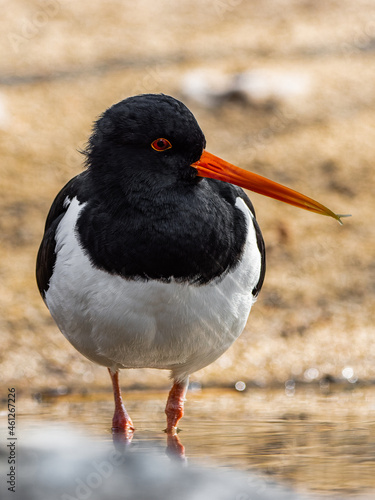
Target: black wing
46,256
261,246
230,193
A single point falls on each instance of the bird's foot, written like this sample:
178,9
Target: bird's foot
175,406
122,429
121,422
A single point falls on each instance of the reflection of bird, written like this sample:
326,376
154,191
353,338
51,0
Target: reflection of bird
65,464
148,259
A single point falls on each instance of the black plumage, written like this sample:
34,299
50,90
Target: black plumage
147,213
147,259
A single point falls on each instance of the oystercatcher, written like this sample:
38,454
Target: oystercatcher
149,259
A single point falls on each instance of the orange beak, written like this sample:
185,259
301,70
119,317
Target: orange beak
212,166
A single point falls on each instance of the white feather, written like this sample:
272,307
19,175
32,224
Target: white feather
137,324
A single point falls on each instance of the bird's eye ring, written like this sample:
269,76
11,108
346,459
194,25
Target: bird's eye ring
161,144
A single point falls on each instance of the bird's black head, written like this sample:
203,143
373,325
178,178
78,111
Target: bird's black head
149,138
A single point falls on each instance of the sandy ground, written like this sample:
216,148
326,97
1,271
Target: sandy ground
63,63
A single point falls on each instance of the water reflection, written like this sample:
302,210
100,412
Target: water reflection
175,449
321,442
122,442
61,464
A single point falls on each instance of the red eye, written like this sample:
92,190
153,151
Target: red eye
161,144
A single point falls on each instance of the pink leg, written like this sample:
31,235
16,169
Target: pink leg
175,405
121,421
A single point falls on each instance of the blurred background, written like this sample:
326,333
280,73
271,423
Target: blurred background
284,88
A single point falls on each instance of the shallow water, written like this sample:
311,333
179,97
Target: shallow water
316,440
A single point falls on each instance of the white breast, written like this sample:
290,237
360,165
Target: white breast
134,324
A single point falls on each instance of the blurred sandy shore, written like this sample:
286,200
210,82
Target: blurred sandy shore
63,63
